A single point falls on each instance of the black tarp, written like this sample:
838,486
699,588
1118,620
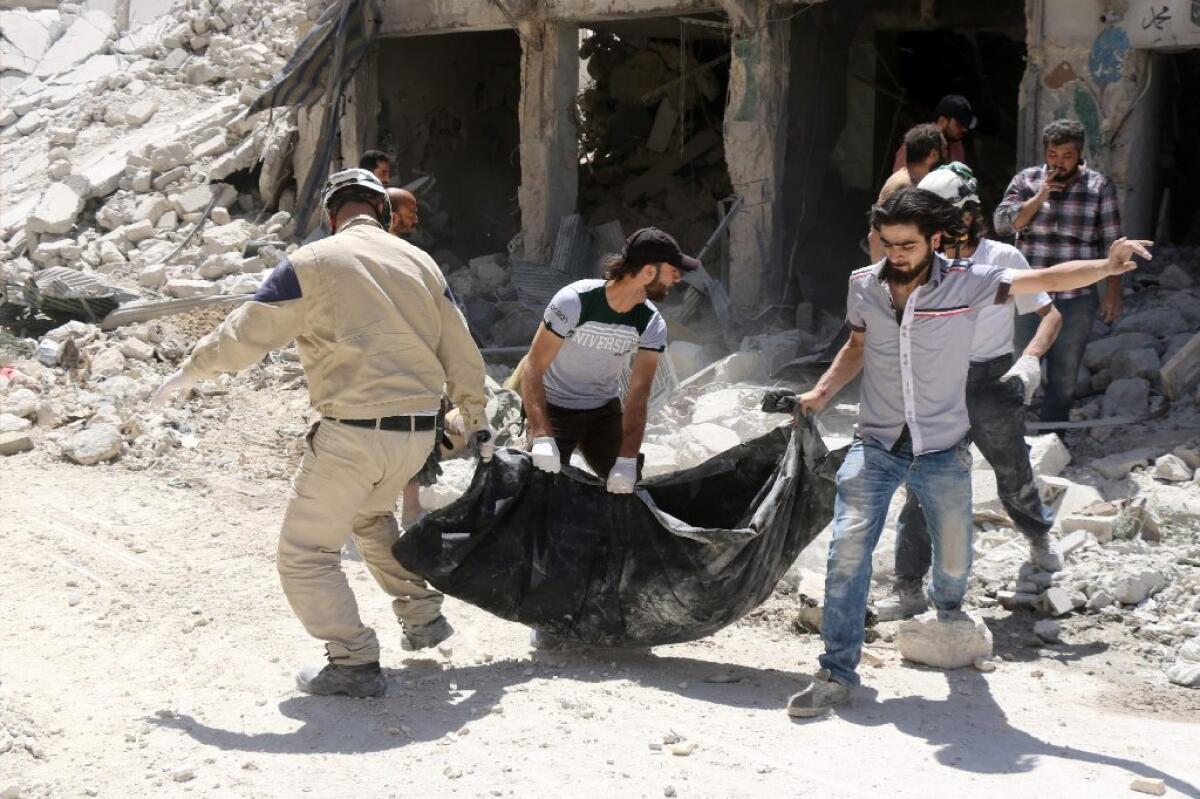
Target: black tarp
689,553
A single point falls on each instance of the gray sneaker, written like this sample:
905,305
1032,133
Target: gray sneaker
818,696
423,636
1043,553
365,679
906,600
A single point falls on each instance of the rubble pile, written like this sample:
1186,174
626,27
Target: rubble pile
144,137
641,124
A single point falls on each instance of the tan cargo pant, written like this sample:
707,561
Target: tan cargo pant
348,482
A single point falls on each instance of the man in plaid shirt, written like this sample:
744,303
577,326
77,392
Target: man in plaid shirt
1063,211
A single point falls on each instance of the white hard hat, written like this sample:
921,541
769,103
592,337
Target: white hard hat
954,182
354,177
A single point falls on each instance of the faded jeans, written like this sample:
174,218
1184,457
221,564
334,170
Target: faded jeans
866,482
997,412
1062,361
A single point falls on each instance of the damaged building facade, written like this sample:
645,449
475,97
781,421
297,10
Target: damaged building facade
664,111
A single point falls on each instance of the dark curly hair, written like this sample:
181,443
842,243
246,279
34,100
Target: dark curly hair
912,206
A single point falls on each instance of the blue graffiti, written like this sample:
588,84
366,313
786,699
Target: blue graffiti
1108,56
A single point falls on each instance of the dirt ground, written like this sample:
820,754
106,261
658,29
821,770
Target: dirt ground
147,650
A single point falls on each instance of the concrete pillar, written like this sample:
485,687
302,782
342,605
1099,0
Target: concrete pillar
549,140
755,142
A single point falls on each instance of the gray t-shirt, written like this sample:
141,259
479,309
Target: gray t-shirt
915,369
599,344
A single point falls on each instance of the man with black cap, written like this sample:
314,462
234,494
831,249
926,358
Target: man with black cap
593,329
954,119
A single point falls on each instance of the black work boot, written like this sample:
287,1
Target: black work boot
423,636
365,679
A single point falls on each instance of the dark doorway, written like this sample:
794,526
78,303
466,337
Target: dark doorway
449,106
984,66
1179,149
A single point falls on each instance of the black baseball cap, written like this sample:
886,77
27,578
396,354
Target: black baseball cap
649,245
958,108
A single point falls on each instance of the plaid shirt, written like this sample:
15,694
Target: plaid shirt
1078,223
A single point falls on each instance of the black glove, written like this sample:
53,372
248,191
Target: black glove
779,400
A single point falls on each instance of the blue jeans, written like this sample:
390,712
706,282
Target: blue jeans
866,482
1062,361
997,412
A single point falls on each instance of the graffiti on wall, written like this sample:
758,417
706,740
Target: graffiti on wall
1082,96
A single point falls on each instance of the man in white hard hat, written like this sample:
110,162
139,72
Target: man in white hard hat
998,388
381,342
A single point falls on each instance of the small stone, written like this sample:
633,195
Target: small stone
184,775
21,402
945,640
1154,787
984,664
1172,469
74,598
13,424
14,792
137,350
669,791
1047,630
683,749
140,112
98,443
1057,602
1126,397
1174,277
12,443
1099,600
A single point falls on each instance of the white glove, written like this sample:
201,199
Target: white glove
622,476
1028,370
482,445
545,454
178,382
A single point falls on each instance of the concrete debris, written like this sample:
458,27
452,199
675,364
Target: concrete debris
1172,468
102,442
13,443
1185,670
944,640
1154,787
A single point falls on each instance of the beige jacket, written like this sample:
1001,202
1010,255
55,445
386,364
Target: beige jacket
372,317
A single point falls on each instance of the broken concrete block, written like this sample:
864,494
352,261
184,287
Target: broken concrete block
1057,601
140,112
1186,669
56,211
169,177
181,288
13,424
1134,363
153,277
664,124
101,442
226,238
106,363
87,36
221,264
150,208
58,170
12,443
194,200
490,271
944,640
168,221
21,402
1099,600
1048,630
1181,373
103,177
1072,541
1175,277
31,122
1117,465
1172,469
1160,321
1048,454
1126,397
1130,589
213,145
170,156
138,231
176,59
138,350
1098,353
199,72
1101,527
1189,453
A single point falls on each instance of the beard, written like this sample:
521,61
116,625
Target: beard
657,291
903,278
1063,177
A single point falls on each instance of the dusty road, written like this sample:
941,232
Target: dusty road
146,650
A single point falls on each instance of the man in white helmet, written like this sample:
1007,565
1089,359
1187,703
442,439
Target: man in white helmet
997,391
381,342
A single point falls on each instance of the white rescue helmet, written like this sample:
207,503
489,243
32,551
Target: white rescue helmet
356,177
954,182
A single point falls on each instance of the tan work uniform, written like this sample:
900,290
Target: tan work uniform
378,336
